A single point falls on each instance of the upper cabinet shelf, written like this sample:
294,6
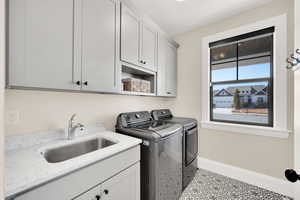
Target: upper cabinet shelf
86,46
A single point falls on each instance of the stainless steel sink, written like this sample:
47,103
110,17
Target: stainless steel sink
67,152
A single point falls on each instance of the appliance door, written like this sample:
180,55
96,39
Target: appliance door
170,167
191,145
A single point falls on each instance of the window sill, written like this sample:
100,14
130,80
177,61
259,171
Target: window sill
246,129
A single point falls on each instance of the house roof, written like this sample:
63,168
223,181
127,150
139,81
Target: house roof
243,90
216,92
223,93
262,92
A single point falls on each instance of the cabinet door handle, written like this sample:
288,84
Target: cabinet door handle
78,83
106,191
169,92
98,197
145,62
141,61
85,83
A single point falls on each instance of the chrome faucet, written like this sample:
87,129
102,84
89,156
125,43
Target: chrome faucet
72,128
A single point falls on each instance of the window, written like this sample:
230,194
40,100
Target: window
241,79
230,67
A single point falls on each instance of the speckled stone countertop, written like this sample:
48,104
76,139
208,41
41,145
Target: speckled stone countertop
26,168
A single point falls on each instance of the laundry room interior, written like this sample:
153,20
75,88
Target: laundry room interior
149,99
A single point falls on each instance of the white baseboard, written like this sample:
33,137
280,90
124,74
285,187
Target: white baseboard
247,176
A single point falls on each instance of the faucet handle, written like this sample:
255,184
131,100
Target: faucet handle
81,126
73,117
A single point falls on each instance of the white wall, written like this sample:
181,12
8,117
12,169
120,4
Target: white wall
2,49
264,155
297,88
297,100
40,111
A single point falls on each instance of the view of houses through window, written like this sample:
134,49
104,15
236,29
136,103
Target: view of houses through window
242,79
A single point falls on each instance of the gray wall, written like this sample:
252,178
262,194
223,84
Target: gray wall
265,155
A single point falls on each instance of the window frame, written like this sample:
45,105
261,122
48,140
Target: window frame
281,108
236,40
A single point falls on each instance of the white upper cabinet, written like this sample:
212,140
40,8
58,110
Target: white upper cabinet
167,69
138,41
41,44
99,48
130,37
84,45
161,70
171,70
149,48
64,44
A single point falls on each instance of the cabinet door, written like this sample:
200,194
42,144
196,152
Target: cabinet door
41,44
149,48
93,194
161,66
99,45
167,69
130,36
125,185
171,70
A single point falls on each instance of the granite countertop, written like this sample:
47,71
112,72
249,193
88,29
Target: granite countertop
26,168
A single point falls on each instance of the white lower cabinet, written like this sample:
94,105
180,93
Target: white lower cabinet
93,194
126,185
114,178
122,186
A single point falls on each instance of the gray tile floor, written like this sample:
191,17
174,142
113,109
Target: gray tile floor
210,186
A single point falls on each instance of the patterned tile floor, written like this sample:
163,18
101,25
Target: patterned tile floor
210,186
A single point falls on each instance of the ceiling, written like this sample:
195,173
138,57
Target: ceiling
178,17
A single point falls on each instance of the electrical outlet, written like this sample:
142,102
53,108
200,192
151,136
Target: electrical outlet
12,117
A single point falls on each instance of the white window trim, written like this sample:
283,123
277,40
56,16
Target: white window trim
280,95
